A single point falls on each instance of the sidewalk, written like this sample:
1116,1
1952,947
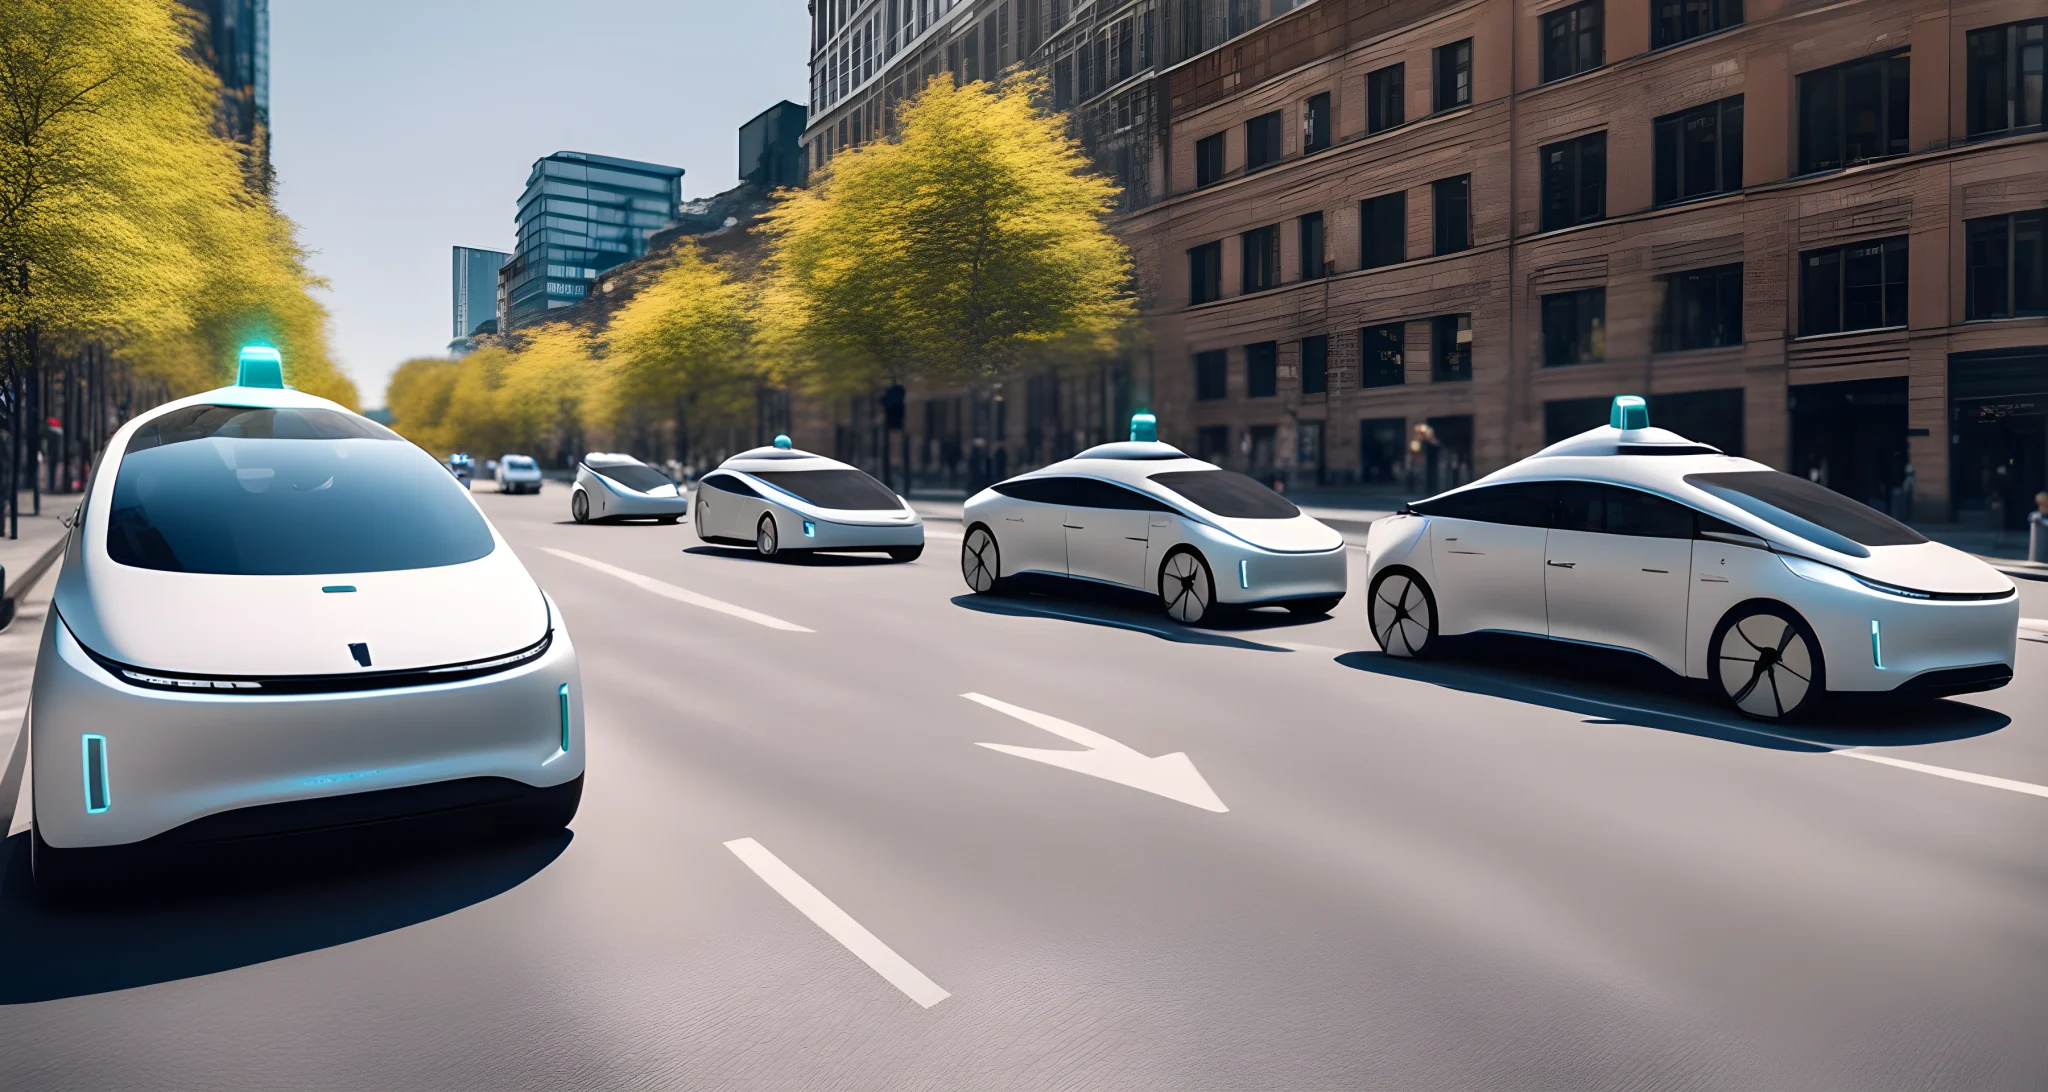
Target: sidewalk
27,558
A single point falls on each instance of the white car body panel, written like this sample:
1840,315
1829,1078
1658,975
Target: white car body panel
1492,576
799,523
609,499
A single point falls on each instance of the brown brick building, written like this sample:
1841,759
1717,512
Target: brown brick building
1811,231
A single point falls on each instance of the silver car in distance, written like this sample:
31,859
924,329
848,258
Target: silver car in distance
610,486
780,500
1143,514
1775,589
517,474
274,616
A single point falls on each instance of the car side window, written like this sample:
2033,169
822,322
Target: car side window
1090,493
1631,512
1580,506
1518,504
726,483
1058,491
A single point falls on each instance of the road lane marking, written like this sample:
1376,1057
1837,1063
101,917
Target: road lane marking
837,923
2035,623
680,595
1985,780
1173,776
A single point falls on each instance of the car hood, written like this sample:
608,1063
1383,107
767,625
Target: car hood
1303,534
202,623
1926,566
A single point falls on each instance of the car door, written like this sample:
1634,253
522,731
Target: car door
1617,570
1107,528
727,506
1030,529
1486,545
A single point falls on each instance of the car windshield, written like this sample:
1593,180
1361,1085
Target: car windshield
1811,511
235,491
836,487
517,462
634,476
1228,494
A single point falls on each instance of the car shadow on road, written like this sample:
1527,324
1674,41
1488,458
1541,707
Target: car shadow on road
1102,606
1613,687
792,557
182,928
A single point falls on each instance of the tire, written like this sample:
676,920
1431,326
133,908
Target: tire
1186,587
981,561
1402,614
1313,608
767,537
579,506
906,553
697,519
1766,662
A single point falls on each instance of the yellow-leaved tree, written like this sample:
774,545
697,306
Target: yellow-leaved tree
683,345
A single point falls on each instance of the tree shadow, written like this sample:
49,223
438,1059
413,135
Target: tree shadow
1614,687
813,558
236,915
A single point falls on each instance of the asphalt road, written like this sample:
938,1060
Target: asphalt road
1519,867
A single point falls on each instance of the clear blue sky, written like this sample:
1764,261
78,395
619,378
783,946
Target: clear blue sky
404,127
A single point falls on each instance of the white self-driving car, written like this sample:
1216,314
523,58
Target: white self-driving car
1141,514
780,500
517,474
1774,588
611,487
275,616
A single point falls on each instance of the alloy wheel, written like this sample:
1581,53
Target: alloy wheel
766,539
1402,616
579,507
1185,585
1766,666
980,560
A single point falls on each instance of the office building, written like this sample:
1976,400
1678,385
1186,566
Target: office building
580,215
234,40
475,281
771,148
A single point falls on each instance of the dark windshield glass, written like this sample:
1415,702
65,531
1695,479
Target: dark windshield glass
517,462
1228,494
1811,511
286,493
845,488
634,476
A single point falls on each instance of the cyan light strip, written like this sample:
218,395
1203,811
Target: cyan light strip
97,798
1876,646
563,694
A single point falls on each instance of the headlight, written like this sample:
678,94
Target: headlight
1808,569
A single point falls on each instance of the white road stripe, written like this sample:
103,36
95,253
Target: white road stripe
1985,780
680,595
826,915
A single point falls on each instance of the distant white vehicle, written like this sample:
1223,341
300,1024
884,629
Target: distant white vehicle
274,615
616,487
780,500
1143,514
517,474
1774,588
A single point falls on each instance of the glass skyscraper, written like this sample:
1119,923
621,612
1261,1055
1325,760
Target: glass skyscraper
476,288
582,214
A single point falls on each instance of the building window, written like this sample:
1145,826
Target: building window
2007,265
1575,181
1852,113
2006,74
1209,160
1453,212
1315,124
1699,151
1315,364
1262,369
1312,246
1575,327
1261,258
1675,21
1383,109
1857,287
1205,273
1379,355
1702,309
1212,376
1383,227
1572,40
1262,141
1454,75
1450,348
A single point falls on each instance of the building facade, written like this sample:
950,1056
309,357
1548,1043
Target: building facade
1413,240
580,215
475,283
771,147
234,40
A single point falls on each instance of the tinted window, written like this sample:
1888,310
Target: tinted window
1579,506
726,483
632,476
1522,504
517,462
1089,493
839,487
1228,494
256,492
1808,510
1058,491
1633,513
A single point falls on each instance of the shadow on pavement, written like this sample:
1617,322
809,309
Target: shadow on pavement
1103,606
1613,687
792,557
177,930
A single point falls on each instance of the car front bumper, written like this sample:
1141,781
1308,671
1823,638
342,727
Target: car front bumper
801,532
114,764
633,505
1247,576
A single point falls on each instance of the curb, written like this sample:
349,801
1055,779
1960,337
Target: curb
29,576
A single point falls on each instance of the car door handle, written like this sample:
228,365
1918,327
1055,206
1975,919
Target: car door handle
1014,519
1136,538
1073,527
1562,564
1665,572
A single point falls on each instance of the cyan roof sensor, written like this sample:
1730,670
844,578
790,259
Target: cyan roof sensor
782,442
1629,412
261,366
1144,427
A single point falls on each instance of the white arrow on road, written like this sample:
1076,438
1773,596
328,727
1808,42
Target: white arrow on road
1173,776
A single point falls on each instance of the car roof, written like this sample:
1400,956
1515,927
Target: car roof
780,459
610,458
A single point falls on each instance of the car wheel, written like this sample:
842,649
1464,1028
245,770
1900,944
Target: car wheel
1187,587
1402,614
1767,662
1311,608
981,560
906,553
579,506
767,539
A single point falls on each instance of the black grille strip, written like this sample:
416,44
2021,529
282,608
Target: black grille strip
349,682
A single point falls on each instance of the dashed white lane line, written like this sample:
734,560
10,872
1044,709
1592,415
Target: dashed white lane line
680,595
838,925
1985,780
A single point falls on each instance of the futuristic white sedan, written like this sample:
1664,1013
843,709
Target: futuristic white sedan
780,500
277,616
1142,514
610,486
517,474
1774,588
